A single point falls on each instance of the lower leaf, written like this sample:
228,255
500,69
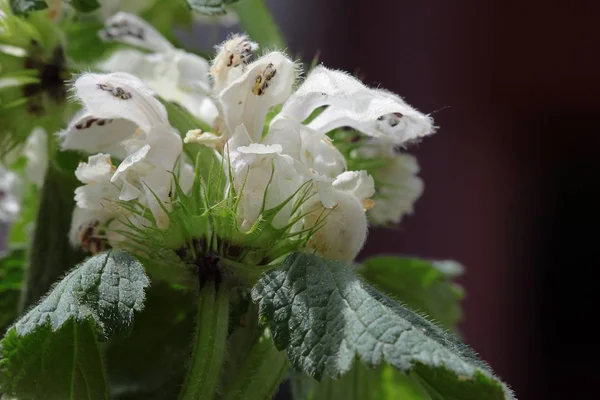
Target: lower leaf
61,365
325,316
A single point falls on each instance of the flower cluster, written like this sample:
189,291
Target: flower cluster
274,138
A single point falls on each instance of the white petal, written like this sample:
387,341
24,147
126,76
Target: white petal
358,183
344,231
261,149
92,134
99,168
354,105
133,160
120,95
131,61
129,192
132,30
231,60
267,82
84,224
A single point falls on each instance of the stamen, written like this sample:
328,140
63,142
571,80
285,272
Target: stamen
115,91
262,80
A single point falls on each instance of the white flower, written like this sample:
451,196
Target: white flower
341,230
36,154
174,74
264,176
270,164
10,195
398,188
153,150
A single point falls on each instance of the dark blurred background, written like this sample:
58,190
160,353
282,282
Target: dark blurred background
511,181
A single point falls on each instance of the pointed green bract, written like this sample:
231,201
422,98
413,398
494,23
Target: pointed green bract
325,316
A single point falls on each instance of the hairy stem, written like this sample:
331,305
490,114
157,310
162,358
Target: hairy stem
210,343
261,373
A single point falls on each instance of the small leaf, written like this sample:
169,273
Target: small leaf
107,288
84,5
209,7
21,7
422,285
325,316
64,364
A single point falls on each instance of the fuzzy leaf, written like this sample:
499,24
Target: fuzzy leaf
325,316
20,7
60,365
422,285
209,7
107,288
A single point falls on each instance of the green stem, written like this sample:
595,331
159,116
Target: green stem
210,343
50,254
257,21
261,373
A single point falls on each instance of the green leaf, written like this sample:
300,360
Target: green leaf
325,316
21,7
51,352
65,364
84,5
107,288
209,7
257,21
12,265
422,285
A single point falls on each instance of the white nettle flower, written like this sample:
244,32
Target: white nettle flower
269,165
174,74
344,227
10,195
121,111
398,188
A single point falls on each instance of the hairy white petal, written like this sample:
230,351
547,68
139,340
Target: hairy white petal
231,60
267,82
90,134
120,95
344,230
352,104
398,189
133,30
358,183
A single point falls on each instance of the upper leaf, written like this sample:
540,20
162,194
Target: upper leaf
20,7
107,288
422,285
209,7
325,316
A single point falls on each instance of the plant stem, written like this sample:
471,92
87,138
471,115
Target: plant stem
257,21
261,373
50,254
210,343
